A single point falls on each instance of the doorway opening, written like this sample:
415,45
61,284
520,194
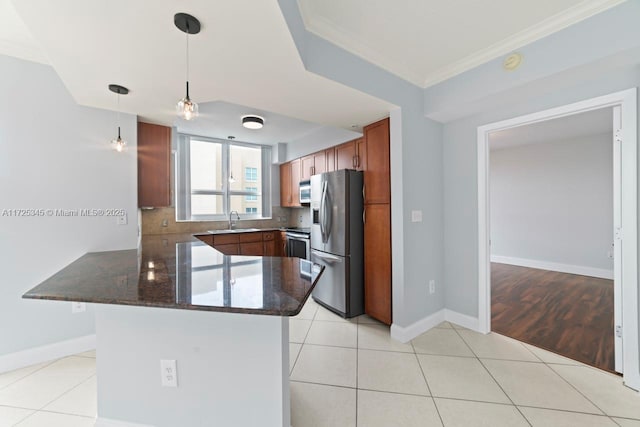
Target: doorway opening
552,221
624,135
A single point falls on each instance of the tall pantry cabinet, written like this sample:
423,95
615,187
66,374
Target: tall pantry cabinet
377,222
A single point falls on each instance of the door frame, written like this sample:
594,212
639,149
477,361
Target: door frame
626,101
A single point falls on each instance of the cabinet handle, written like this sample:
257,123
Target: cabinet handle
357,161
353,161
312,170
364,217
363,193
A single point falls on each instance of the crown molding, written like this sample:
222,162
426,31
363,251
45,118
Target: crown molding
322,27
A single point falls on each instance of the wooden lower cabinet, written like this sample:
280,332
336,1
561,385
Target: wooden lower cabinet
252,248
229,249
269,248
377,262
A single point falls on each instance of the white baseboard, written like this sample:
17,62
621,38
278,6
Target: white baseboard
406,334
554,266
106,422
45,353
462,320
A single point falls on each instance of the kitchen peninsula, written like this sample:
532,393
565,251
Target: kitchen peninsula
223,319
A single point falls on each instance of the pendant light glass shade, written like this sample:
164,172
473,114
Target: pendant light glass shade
186,108
118,143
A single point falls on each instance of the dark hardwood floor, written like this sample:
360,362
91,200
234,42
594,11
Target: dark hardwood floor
567,314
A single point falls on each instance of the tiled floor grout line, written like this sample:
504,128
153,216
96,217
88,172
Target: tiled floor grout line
424,376
576,388
72,388
494,379
29,374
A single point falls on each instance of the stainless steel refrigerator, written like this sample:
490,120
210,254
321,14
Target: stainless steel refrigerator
337,240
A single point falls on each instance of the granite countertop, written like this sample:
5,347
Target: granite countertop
181,272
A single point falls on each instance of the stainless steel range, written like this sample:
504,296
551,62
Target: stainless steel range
298,242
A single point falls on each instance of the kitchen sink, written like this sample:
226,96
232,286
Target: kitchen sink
235,230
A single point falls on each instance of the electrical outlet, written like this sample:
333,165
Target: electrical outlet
78,307
122,220
168,373
610,254
300,219
416,216
165,222
432,286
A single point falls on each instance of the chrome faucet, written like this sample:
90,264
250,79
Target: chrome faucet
232,223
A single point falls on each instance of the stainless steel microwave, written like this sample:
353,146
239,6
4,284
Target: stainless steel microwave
305,192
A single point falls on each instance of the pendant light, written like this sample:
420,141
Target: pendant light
118,143
186,108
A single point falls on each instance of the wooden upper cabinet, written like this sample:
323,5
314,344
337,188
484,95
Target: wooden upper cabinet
377,173
285,185
307,165
346,155
319,162
361,154
330,156
295,183
154,165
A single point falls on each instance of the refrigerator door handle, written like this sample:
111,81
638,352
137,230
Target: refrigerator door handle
327,257
327,212
321,213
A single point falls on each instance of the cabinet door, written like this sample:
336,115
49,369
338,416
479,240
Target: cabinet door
253,248
285,184
346,156
295,183
377,180
154,165
377,262
282,244
306,167
330,155
269,248
319,162
361,154
228,249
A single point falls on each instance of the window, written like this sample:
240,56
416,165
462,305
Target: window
215,177
251,174
251,190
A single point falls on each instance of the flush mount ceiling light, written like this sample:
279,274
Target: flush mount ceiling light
118,143
512,61
252,122
186,108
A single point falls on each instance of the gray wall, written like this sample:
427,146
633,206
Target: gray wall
460,176
416,171
553,201
55,154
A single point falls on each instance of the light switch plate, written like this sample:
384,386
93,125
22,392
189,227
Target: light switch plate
416,216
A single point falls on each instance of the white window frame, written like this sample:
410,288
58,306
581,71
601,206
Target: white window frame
183,181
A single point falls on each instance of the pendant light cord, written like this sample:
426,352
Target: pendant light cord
118,115
187,35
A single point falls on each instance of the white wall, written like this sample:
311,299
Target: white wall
553,202
55,154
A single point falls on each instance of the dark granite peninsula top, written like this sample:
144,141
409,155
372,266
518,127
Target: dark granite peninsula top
179,271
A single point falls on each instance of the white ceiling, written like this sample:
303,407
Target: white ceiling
428,41
15,38
594,122
222,119
244,55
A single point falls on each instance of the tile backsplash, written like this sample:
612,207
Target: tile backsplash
163,221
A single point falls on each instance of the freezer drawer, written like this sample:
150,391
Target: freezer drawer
331,288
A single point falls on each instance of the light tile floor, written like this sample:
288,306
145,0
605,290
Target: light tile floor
350,373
